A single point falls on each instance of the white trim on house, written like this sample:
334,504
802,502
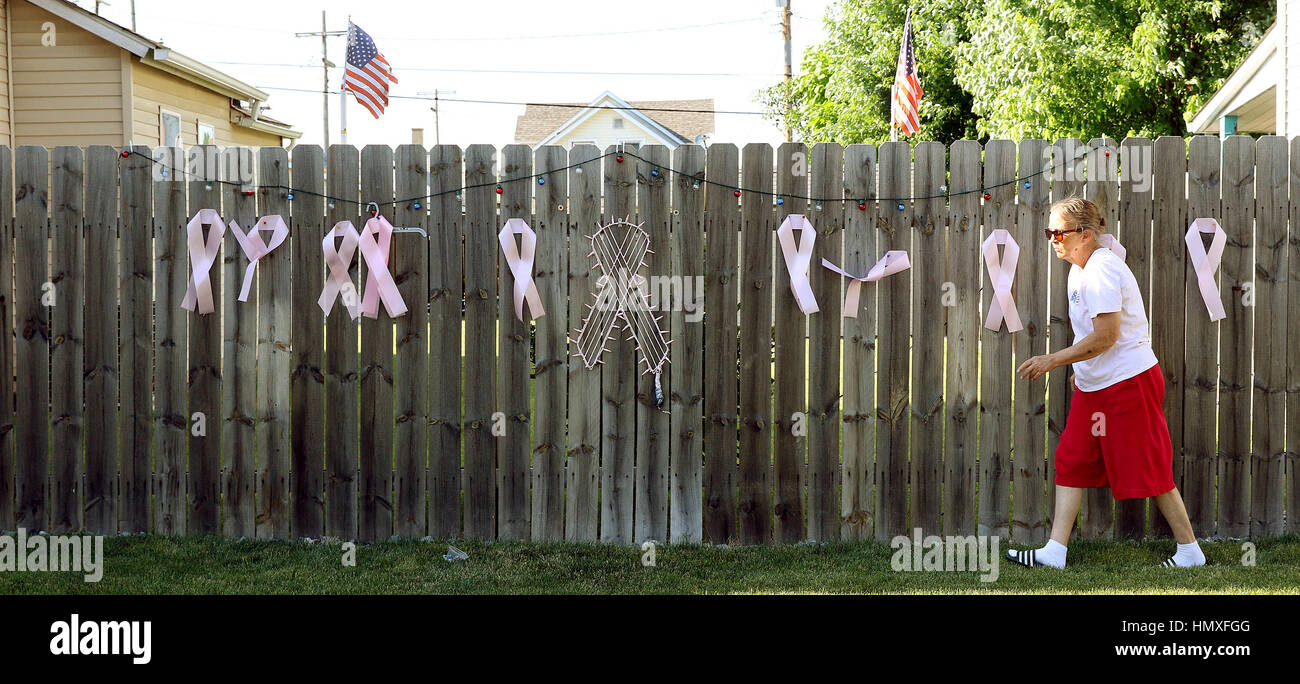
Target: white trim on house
1255,78
652,127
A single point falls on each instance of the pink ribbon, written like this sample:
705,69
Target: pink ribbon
254,248
1112,243
521,265
202,256
1206,264
799,259
379,282
894,261
338,280
1002,274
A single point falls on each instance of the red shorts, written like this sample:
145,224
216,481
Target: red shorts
1118,437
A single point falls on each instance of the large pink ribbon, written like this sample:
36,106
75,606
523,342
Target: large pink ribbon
255,248
1002,273
798,259
1206,264
1112,243
379,282
521,259
337,279
894,261
202,257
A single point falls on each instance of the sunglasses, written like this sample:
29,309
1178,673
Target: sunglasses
1059,235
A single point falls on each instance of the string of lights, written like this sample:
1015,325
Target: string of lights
620,156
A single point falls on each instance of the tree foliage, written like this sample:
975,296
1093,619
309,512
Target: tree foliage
1020,68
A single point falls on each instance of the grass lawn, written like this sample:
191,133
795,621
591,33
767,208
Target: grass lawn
211,565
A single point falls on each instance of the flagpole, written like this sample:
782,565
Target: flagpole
893,130
343,94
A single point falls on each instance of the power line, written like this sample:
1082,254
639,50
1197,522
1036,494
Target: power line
533,72
538,104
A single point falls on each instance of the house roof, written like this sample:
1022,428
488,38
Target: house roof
1249,92
541,121
159,56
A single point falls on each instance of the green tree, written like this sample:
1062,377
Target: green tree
1020,68
841,90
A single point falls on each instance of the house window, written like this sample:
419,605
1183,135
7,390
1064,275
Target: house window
618,123
207,134
170,131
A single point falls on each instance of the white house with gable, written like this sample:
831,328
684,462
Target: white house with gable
611,120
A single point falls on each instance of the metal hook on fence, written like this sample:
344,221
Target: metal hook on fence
412,229
373,207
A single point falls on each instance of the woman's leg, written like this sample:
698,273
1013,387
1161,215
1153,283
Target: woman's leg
1171,506
1068,500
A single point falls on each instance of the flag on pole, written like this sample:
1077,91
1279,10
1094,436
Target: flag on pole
368,73
907,86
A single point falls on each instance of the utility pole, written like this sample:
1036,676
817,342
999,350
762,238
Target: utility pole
789,72
437,138
325,68
133,15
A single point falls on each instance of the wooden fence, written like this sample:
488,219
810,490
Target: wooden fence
268,418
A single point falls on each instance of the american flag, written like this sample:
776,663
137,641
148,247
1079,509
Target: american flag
368,73
907,86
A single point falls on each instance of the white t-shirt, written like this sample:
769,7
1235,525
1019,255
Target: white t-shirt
1104,285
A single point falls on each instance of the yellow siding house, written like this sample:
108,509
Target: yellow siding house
71,77
611,120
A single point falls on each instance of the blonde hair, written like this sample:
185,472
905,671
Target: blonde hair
1077,212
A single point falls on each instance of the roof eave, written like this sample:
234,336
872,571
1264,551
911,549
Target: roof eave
196,72
1207,116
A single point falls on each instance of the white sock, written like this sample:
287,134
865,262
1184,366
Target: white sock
1187,555
1053,554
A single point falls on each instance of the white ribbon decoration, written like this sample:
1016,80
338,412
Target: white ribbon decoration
337,262
1112,243
521,259
798,259
255,248
1206,264
379,282
894,261
202,257
1002,274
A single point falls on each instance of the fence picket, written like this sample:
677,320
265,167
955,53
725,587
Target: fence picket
1029,469
1269,335
307,379
964,266
618,374
239,358
67,327
685,400
273,400
514,345
926,394
996,361
8,466
481,249
755,285
652,424
894,300
101,366
171,340
136,338
721,218
32,336
582,470
410,363
1201,375
204,380
551,345
790,337
1134,231
824,331
858,471
375,514
446,226
341,358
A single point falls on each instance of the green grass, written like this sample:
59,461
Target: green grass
212,565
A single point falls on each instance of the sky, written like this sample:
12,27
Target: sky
725,49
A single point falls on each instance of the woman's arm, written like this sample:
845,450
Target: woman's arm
1105,331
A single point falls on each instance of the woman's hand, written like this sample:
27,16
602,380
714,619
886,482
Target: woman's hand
1037,367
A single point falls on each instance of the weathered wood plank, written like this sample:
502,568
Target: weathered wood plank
481,249
67,325
1029,467
204,380
824,331
240,370
687,368
1168,292
582,472
136,338
1292,461
8,466
1134,231
551,345
858,470
274,354
445,330
375,515
514,348
653,426
962,308
926,395
307,380
1200,388
790,326
1268,435
171,341
411,334
101,326
1069,165
1237,276
894,296
721,224
341,358
618,374
32,336
755,284
996,363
